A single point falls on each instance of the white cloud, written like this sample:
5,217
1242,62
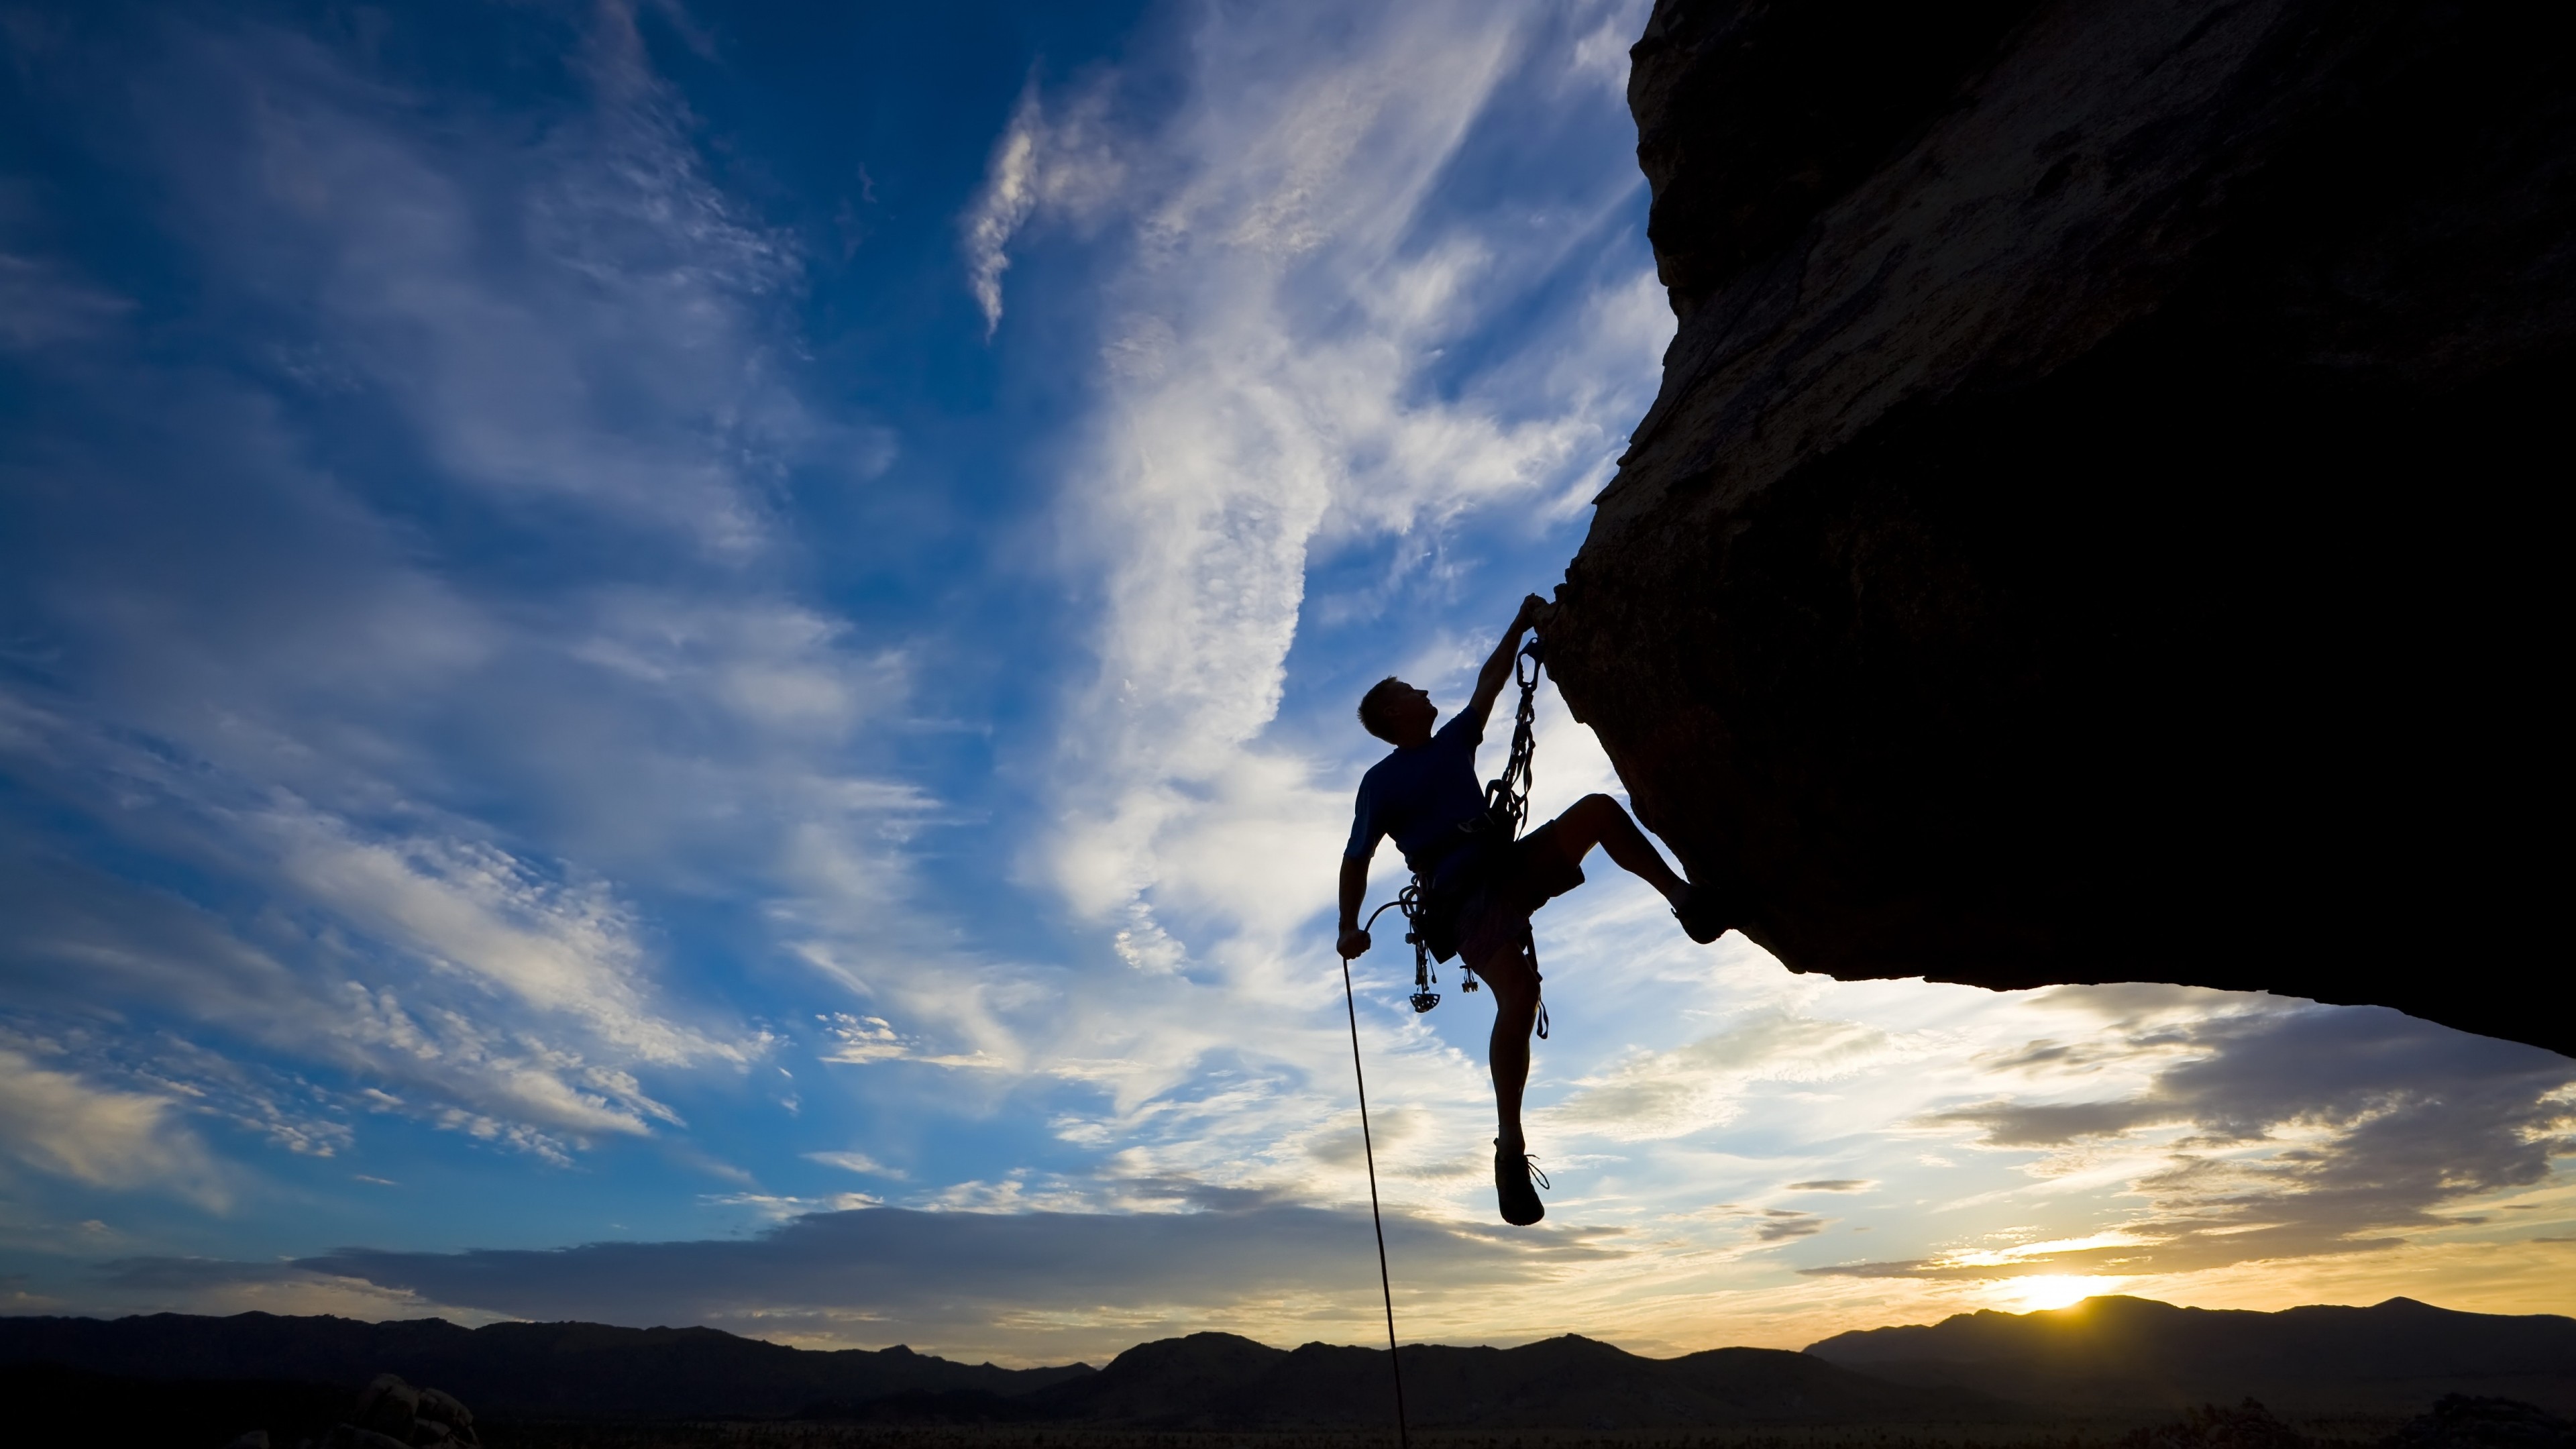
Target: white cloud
858,1162
1651,1094
1010,194
1067,166
58,1123
472,908
1600,56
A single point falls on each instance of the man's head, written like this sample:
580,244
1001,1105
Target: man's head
1397,713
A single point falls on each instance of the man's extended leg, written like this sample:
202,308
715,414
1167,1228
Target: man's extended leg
1513,976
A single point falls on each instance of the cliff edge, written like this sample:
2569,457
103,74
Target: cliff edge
2096,522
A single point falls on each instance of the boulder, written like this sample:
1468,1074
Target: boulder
2098,518
2465,1421
388,1406
391,1414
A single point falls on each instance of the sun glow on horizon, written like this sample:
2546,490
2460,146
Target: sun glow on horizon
2054,1290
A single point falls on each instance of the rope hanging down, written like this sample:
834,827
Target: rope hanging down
1369,1150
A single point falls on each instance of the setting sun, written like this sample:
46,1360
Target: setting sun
2055,1290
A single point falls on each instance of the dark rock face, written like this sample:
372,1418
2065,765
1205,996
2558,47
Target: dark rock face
2097,521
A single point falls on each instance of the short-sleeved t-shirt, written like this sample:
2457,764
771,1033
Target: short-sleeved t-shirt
1421,796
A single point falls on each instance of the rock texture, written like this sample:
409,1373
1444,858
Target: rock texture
2099,518
392,1414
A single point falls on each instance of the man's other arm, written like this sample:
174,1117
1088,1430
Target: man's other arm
1353,941
1498,669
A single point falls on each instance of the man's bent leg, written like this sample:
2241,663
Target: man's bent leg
1598,820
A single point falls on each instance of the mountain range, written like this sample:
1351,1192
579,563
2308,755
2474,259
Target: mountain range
2103,1357
523,1369
1220,1381
2126,1354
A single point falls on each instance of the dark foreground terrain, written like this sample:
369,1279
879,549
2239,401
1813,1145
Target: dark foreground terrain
834,1436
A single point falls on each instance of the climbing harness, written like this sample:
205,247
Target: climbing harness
1506,810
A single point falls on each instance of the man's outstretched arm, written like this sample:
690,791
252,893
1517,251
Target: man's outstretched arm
1498,669
1353,941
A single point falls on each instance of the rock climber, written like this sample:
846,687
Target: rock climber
1479,888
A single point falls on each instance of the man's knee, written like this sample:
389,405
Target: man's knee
1512,976
1593,816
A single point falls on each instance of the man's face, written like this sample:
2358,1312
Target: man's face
1411,709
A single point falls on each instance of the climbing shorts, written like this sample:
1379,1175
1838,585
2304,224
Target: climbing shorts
1532,872
1476,908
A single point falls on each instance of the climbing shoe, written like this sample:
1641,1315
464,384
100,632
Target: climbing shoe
1703,914
1512,1174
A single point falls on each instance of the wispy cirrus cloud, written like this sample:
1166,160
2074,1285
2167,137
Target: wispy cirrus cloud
607,350
1058,156
402,801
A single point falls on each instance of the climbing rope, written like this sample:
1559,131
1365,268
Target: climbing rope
1368,1150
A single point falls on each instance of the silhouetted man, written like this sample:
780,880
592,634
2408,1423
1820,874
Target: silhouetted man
1479,889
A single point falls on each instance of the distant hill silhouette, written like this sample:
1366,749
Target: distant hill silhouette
1220,1381
2135,1353
2106,1357
512,1369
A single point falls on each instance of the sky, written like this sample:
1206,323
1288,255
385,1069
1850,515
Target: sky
680,664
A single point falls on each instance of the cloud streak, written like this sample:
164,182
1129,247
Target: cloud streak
2284,1135
1037,1285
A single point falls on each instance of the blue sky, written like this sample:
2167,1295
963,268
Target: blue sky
694,665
